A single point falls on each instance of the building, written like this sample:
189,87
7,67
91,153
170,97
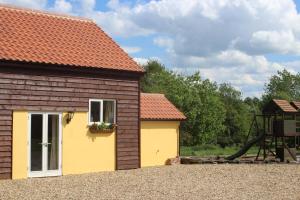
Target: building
69,97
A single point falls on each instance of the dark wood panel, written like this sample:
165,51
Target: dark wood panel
130,140
5,117
64,89
128,149
5,154
15,99
127,157
5,143
5,176
127,118
127,144
5,123
127,106
5,112
43,103
5,133
127,136
5,165
44,84
124,115
19,74
130,123
64,84
5,138
125,127
128,153
65,94
129,162
126,167
5,128
5,159
47,108
5,148
4,170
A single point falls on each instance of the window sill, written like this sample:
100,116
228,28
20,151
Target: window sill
96,128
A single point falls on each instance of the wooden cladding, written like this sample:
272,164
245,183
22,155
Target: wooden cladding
5,143
50,90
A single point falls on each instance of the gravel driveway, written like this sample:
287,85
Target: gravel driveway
274,181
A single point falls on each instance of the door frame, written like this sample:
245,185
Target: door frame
44,172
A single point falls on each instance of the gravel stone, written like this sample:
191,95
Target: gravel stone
222,181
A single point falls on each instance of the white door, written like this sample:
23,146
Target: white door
44,145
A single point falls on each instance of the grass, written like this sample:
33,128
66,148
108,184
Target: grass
213,150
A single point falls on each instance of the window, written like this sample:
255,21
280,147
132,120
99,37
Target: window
102,111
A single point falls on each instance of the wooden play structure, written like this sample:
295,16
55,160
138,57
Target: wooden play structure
279,134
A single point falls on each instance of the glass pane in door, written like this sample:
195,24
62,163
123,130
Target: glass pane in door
53,142
36,146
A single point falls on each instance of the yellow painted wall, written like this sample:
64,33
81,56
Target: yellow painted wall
84,152
159,142
19,151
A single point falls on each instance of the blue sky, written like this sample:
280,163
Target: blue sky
242,42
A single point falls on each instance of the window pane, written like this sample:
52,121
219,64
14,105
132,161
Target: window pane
53,142
95,111
108,112
36,142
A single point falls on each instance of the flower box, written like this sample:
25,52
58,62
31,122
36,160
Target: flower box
102,128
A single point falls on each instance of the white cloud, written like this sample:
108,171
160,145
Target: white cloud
87,5
202,27
62,6
113,4
35,4
165,42
141,61
131,50
245,72
283,42
117,23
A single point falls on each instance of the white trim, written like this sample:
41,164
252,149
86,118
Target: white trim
101,108
45,171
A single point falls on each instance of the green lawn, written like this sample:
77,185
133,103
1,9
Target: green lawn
212,150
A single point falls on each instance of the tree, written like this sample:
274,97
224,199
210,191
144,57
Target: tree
283,85
238,116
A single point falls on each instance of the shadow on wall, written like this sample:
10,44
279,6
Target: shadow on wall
94,136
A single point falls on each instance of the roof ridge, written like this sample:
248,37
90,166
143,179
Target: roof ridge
152,94
280,100
45,13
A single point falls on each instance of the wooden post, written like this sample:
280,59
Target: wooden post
264,142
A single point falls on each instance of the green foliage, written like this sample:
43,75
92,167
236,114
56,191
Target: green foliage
213,150
284,85
238,116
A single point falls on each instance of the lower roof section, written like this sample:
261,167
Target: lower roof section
158,107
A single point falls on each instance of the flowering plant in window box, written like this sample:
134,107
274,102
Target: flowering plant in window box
102,127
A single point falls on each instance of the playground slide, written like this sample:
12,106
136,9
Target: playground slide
246,147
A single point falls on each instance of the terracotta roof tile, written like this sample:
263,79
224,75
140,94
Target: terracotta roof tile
296,104
158,107
284,105
42,37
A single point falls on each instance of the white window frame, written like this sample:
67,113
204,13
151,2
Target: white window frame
101,108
